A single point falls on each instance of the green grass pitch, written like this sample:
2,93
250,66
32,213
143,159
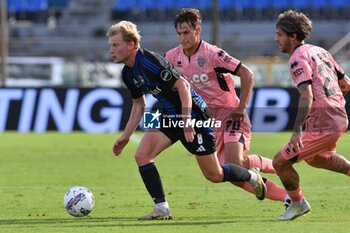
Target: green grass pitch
37,169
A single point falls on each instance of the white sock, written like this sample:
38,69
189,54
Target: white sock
287,197
253,177
163,206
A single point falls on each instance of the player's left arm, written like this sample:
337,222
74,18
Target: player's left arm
246,76
184,89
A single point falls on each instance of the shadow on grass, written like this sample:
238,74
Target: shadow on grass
124,221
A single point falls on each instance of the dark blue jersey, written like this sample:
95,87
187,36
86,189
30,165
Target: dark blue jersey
154,74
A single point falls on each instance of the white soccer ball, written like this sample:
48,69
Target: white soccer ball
78,201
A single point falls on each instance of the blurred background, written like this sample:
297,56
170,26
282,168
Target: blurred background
63,42
57,74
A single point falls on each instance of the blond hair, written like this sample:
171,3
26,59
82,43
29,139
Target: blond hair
129,32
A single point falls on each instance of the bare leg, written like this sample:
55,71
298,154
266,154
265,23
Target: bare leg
335,162
288,175
150,146
210,168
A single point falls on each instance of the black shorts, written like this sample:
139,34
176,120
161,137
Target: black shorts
203,143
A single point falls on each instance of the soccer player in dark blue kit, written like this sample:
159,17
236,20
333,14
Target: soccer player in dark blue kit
148,72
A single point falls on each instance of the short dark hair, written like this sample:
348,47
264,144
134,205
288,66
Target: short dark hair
293,22
189,15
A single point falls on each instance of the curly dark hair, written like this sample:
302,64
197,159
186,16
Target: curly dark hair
293,22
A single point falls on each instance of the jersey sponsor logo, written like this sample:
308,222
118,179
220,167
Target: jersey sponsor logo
201,61
298,72
166,75
200,81
200,78
155,91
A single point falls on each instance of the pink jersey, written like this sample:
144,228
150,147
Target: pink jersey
312,64
208,72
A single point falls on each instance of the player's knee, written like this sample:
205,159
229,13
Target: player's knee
214,178
245,163
278,163
142,158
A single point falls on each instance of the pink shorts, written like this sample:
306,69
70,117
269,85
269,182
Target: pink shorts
231,132
315,144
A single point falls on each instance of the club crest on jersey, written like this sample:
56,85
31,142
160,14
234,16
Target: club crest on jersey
166,75
201,61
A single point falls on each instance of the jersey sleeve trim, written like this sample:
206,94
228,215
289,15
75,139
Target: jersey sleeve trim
309,81
339,74
237,68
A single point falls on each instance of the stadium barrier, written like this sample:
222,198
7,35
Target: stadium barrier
106,110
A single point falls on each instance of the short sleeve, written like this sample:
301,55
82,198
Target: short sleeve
135,92
300,69
220,58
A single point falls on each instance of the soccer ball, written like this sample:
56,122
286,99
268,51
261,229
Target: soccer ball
78,201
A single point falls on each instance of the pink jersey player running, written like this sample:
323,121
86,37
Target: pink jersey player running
321,110
208,69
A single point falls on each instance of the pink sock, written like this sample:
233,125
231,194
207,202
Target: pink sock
274,192
264,164
296,195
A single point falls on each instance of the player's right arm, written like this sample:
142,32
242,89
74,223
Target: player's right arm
304,107
138,107
247,81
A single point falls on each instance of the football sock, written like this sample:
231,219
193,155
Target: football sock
152,181
273,191
264,164
233,172
253,177
296,195
287,197
163,206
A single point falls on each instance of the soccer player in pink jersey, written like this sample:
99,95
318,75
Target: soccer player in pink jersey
208,69
321,110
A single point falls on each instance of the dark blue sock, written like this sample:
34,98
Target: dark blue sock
152,181
233,172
